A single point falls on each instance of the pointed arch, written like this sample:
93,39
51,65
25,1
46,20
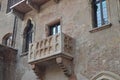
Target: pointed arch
106,75
28,35
7,40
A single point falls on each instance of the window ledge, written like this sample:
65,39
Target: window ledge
101,28
24,54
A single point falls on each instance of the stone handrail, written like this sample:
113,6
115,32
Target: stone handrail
59,44
13,2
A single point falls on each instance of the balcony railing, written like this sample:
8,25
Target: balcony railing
13,2
38,2
21,7
51,47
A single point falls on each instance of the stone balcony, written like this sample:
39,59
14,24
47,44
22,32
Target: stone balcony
56,49
51,47
7,62
21,7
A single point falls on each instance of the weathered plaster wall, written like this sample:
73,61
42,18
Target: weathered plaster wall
6,20
7,69
94,52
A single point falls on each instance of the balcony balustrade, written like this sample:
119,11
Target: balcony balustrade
51,47
21,7
38,2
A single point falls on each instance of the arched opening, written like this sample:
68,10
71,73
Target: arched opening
106,75
28,35
7,40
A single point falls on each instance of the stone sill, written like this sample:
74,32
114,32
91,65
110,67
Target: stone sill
101,28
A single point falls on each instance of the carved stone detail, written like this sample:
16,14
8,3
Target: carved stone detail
52,45
56,44
65,65
57,47
68,44
39,71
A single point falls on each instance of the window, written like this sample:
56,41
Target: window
9,3
100,14
28,36
15,30
7,40
54,29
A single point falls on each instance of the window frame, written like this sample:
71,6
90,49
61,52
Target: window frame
9,3
26,36
47,26
94,20
54,29
8,38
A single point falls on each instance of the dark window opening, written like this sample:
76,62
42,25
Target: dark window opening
28,36
7,40
8,6
54,29
100,14
15,31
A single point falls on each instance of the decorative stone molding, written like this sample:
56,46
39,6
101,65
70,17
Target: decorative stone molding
56,49
39,71
59,44
65,65
106,75
101,28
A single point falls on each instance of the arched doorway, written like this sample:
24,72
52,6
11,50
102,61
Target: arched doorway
106,75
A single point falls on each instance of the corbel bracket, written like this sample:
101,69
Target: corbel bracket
19,14
33,5
65,65
39,71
